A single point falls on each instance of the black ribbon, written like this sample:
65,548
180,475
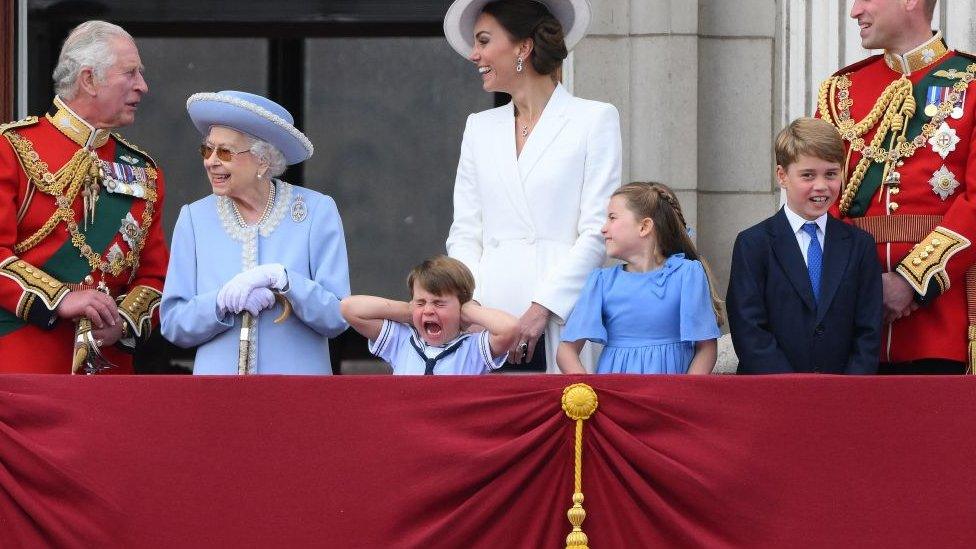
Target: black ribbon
429,363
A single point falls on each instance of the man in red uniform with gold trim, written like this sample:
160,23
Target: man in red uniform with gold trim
907,117
82,255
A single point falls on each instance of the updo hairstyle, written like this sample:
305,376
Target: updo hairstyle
527,19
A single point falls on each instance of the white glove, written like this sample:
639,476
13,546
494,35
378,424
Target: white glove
234,294
258,300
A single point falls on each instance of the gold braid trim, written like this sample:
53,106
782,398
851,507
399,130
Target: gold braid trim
35,281
29,121
137,308
82,168
891,112
929,258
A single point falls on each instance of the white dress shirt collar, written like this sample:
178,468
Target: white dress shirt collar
797,222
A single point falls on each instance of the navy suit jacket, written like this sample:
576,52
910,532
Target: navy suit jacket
776,325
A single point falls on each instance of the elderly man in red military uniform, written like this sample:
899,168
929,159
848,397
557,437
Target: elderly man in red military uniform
907,117
82,255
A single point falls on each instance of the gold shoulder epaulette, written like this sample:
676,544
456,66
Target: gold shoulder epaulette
29,121
133,147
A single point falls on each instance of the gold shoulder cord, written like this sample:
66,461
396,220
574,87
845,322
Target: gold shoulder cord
894,108
83,167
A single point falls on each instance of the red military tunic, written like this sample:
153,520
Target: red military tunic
920,201
47,250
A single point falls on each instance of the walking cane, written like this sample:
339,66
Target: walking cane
244,365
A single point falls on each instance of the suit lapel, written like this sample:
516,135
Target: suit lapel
550,124
787,253
837,253
503,142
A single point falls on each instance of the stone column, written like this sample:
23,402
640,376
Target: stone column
735,123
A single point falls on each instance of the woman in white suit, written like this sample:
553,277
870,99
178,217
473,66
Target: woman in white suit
535,175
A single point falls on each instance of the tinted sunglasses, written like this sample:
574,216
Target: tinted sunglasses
225,155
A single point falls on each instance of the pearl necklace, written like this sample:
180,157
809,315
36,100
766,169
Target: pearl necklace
264,214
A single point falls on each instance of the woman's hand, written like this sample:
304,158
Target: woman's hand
530,326
233,296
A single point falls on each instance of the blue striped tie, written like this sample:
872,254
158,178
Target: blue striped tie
814,259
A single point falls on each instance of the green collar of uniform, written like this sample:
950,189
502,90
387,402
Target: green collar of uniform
918,58
75,127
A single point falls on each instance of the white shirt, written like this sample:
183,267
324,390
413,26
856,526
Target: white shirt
802,238
396,345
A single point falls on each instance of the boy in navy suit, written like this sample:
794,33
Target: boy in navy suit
805,289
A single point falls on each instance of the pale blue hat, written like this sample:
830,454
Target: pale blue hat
251,114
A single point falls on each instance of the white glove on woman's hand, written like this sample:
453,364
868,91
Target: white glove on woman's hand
234,294
258,300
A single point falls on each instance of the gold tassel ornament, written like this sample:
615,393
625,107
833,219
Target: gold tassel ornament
579,402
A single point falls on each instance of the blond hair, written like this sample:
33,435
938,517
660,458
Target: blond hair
809,137
658,202
442,275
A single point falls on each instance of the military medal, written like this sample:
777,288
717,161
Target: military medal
944,140
130,231
932,99
943,182
125,179
957,108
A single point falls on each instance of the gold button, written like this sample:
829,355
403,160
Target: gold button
893,206
916,261
929,249
28,269
924,255
936,242
89,280
895,190
52,284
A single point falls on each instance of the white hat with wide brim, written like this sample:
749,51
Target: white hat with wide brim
573,15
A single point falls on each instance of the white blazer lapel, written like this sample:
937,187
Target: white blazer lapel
503,142
550,124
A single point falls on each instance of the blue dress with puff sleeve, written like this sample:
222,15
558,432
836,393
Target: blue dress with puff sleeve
648,322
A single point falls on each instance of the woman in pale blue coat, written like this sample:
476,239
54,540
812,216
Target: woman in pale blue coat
258,268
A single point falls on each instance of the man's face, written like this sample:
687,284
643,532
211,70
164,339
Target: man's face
121,88
880,22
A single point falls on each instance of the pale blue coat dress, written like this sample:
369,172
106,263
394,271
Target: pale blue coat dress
649,322
303,233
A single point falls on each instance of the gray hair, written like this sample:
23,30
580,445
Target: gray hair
87,45
267,153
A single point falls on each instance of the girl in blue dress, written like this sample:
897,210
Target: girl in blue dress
656,314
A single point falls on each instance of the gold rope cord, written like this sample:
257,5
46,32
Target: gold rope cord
579,402
83,167
892,112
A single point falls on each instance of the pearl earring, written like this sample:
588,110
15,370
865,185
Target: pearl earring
518,65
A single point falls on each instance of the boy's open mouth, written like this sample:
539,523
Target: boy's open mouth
432,328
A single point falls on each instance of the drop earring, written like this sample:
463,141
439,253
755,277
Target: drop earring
518,65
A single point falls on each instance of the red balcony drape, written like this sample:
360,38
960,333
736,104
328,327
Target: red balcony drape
680,461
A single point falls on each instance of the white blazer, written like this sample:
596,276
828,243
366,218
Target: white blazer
528,227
